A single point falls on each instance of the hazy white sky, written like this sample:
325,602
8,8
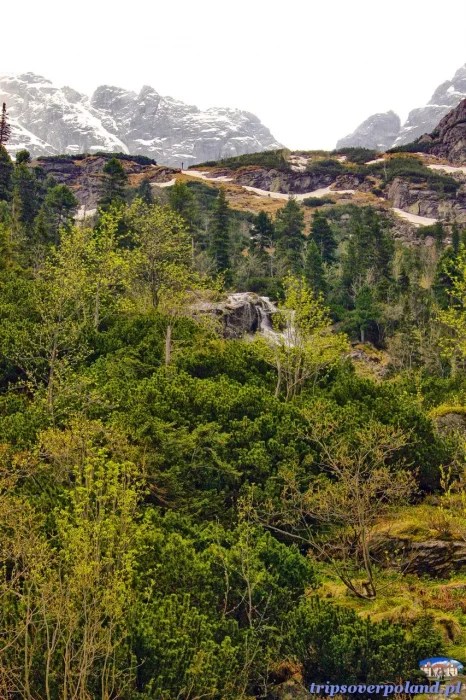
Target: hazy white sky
310,70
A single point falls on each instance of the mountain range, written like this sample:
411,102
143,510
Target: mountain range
49,120
384,130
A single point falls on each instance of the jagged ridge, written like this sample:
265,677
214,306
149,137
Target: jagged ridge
48,120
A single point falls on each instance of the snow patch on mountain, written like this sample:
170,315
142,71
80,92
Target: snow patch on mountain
52,120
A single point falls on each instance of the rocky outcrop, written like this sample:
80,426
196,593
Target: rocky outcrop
281,181
436,558
448,140
241,314
379,131
84,175
49,120
420,200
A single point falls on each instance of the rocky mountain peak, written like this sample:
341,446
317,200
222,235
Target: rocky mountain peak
49,120
421,120
448,140
378,131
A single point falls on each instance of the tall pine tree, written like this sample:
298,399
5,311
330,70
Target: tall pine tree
114,184
6,169
5,128
289,233
322,234
314,268
219,233
262,232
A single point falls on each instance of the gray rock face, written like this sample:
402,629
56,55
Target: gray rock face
378,131
449,138
436,558
242,313
423,120
48,120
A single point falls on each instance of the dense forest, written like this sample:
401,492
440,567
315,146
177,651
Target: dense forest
185,515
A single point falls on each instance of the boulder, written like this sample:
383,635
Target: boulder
242,314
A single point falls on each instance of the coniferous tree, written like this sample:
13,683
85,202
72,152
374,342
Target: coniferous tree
114,184
56,212
322,234
219,242
5,128
262,232
144,192
289,232
314,268
23,156
6,169
26,202
181,200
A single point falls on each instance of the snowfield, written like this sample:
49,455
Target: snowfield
414,218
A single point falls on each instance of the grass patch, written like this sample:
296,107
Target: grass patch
412,169
267,159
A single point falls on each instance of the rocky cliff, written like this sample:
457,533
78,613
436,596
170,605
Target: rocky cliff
50,120
84,175
379,131
448,140
380,128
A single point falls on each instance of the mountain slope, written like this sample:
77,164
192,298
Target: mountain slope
378,131
448,140
420,121
49,120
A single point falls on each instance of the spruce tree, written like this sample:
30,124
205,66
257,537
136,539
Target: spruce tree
262,232
56,212
26,202
289,233
114,184
181,200
5,128
322,234
144,192
219,233
314,268
23,156
6,169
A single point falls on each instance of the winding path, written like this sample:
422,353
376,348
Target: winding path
412,218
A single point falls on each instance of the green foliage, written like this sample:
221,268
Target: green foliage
113,184
335,643
23,156
267,159
67,158
140,449
289,233
317,201
326,166
56,212
323,237
357,155
219,233
413,170
6,169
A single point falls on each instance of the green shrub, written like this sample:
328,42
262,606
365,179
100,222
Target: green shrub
413,170
356,155
317,201
267,159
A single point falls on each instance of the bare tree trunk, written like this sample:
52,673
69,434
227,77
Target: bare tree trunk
168,344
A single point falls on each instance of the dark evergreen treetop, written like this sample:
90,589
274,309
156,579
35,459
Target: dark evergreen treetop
5,128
